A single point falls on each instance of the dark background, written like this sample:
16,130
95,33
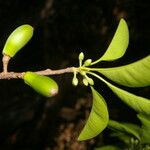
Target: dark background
62,29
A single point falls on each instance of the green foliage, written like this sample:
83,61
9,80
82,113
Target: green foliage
138,103
132,136
118,44
145,133
42,84
136,74
17,39
127,128
108,147
122,136
98,118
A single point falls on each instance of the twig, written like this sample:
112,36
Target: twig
19,75
5,61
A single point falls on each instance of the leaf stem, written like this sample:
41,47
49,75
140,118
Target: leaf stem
90,69
95,62
100,78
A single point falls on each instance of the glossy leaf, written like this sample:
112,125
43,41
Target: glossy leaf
108,147
17,39
145,120
41,84
98,118
128,128
118,44
139,104
136,74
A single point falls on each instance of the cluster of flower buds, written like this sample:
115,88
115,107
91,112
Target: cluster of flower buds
86,80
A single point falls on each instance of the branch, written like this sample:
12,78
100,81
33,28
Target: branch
19,75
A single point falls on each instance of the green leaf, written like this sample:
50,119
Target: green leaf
108,147
98,118
136,74
145,120
118,44
138,103
128,128
122,137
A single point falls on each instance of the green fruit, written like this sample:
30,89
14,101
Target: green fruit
17,39
42,84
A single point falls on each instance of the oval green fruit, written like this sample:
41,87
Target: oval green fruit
42,84
17,39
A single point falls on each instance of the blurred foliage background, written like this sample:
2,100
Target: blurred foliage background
62,29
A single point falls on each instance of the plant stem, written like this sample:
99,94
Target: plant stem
5,61
100,78
89,69
95,62
19,75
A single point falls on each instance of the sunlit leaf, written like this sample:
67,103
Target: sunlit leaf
145,120
128,128
118,44
98,118
136,74
138,103
108,147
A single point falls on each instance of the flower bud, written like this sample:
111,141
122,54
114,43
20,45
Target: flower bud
87,62
75,81
81,56
17,39
42,84
90,80
85,82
